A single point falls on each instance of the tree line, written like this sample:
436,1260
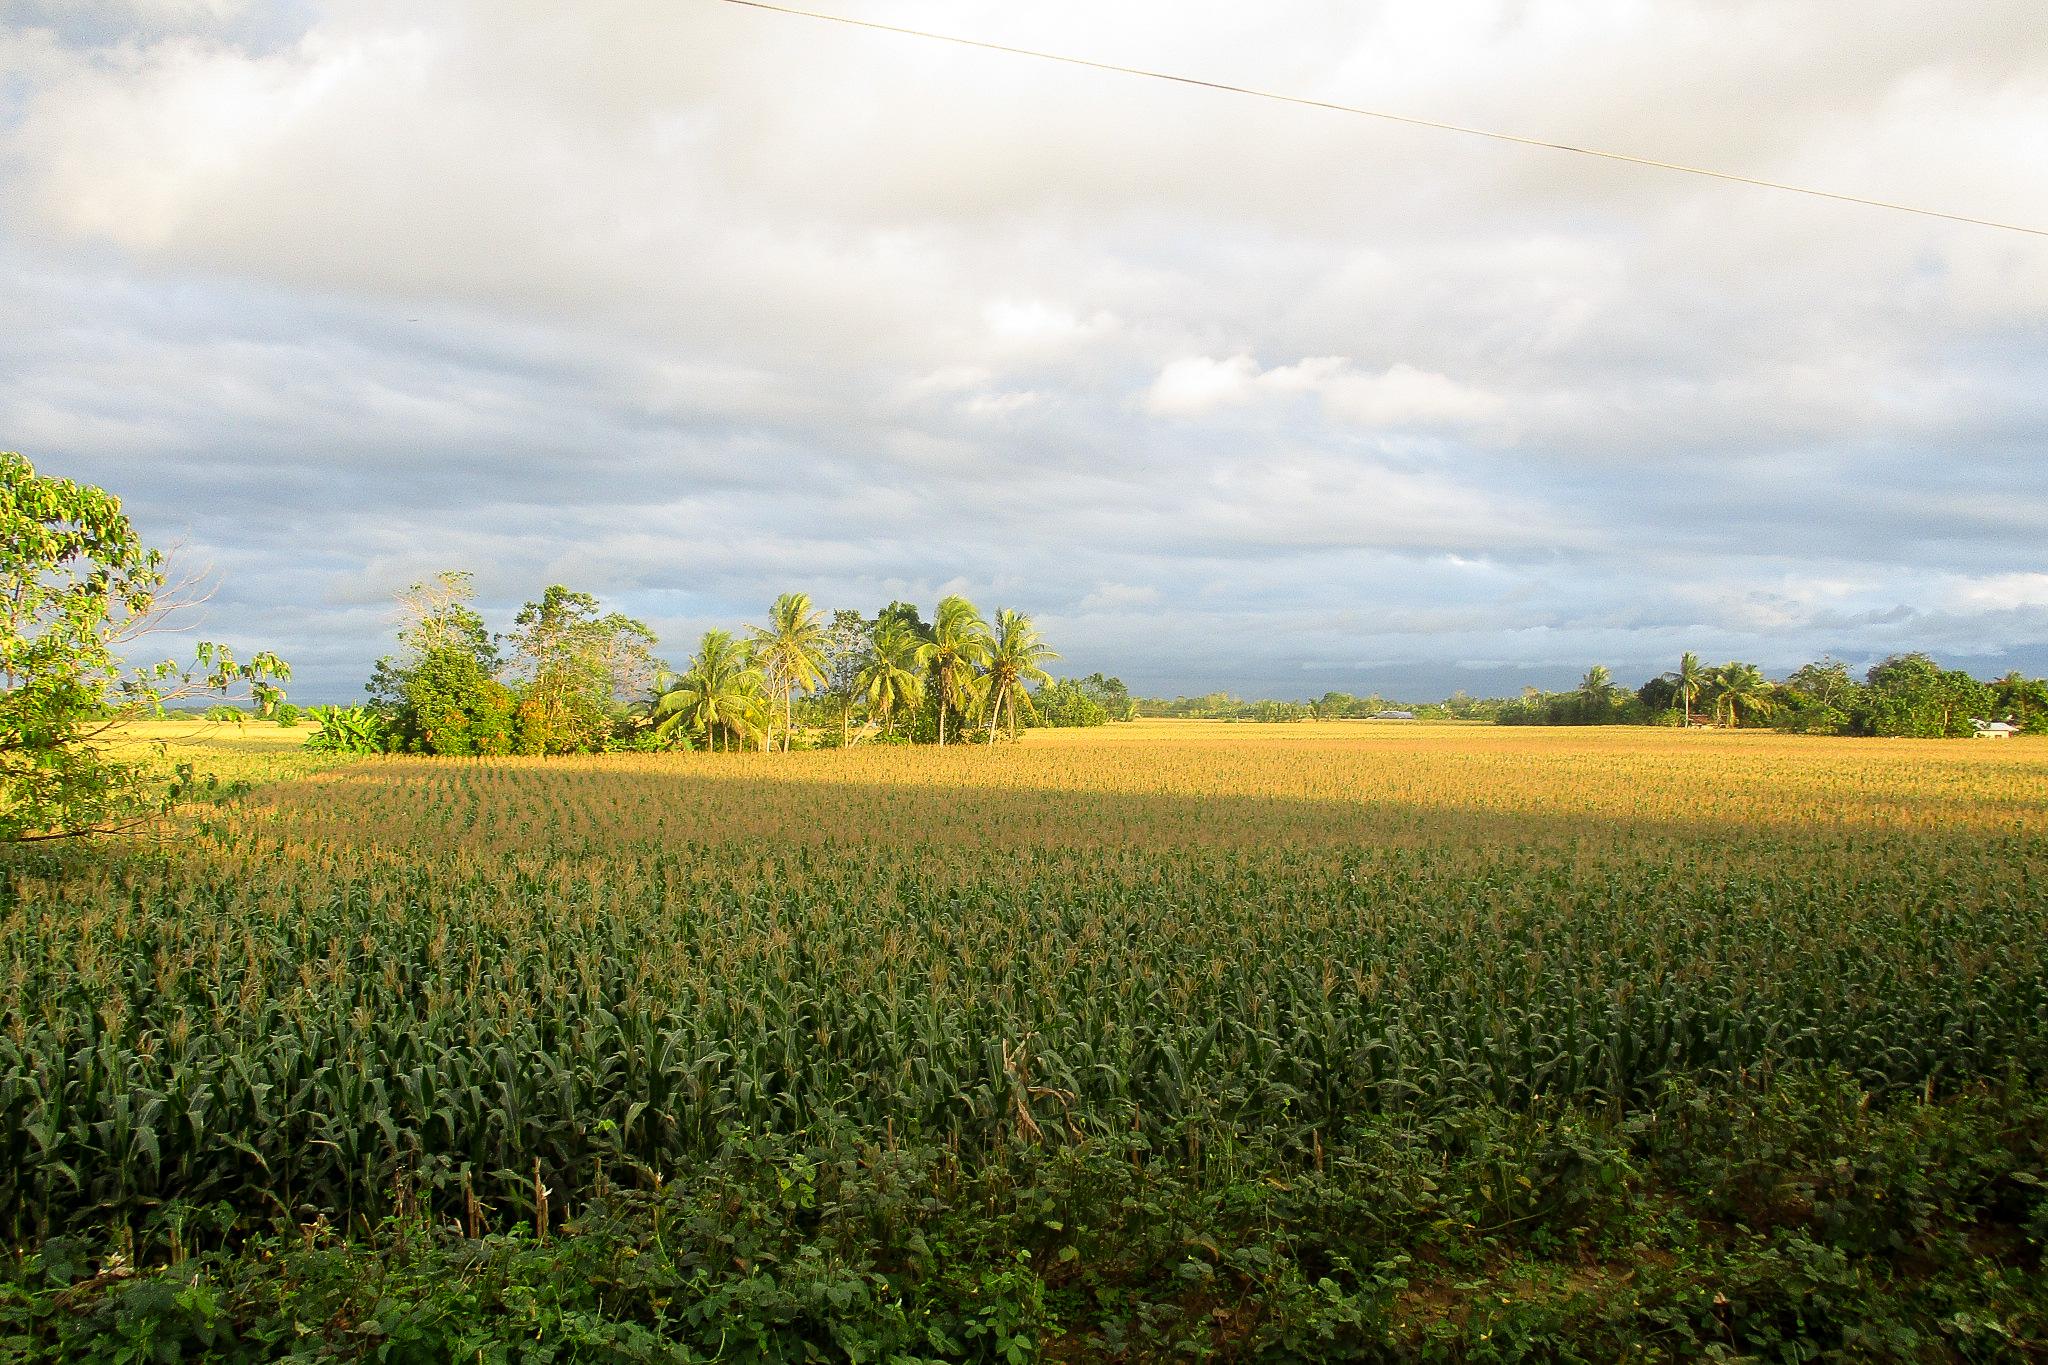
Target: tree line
572,678
1903,695
79,587
1332,705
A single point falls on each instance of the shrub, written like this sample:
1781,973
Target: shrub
348,730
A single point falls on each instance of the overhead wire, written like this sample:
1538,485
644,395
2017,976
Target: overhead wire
1412,120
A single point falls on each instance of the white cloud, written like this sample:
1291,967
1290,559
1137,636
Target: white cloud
1999,592
1033,325
728,299
1399,396
1195,385
999,405
947,379
1112,597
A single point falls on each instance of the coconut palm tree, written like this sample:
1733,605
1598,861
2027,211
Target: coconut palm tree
955,646
1015,653
1691,678
791,651
718,696
1596,692
671,704
1740,690
892,678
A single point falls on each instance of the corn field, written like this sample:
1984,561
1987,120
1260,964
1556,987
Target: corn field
465,982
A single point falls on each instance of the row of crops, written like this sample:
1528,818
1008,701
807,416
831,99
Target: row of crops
469,980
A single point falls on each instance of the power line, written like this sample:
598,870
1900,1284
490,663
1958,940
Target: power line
1409,119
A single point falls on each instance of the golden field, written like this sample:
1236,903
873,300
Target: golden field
1157,784
444,970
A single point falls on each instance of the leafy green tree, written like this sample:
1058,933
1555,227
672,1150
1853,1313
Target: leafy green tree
437,614
791,652
1462,705
433,615
1912,695
1065,703
1816,699
1332,705
904,614
1111,695
1208,706
1825,681
849,643
892,678
2022,701
449,705
577,668
439,694
1798,714
954,649
1658,697
77,585
720,696
1016,654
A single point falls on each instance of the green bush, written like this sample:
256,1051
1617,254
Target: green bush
1811,718
348,730
1792,1221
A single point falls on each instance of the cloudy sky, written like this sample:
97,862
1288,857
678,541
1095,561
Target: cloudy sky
688,305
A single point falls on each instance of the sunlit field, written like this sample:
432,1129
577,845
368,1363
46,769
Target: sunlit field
1528,969
207,736
1360,785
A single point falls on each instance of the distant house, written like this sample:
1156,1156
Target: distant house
1993,729
1393,715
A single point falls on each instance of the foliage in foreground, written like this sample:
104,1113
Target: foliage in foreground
1790,1221
77,587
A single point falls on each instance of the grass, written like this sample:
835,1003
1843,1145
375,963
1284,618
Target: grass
1324,1040
251,737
